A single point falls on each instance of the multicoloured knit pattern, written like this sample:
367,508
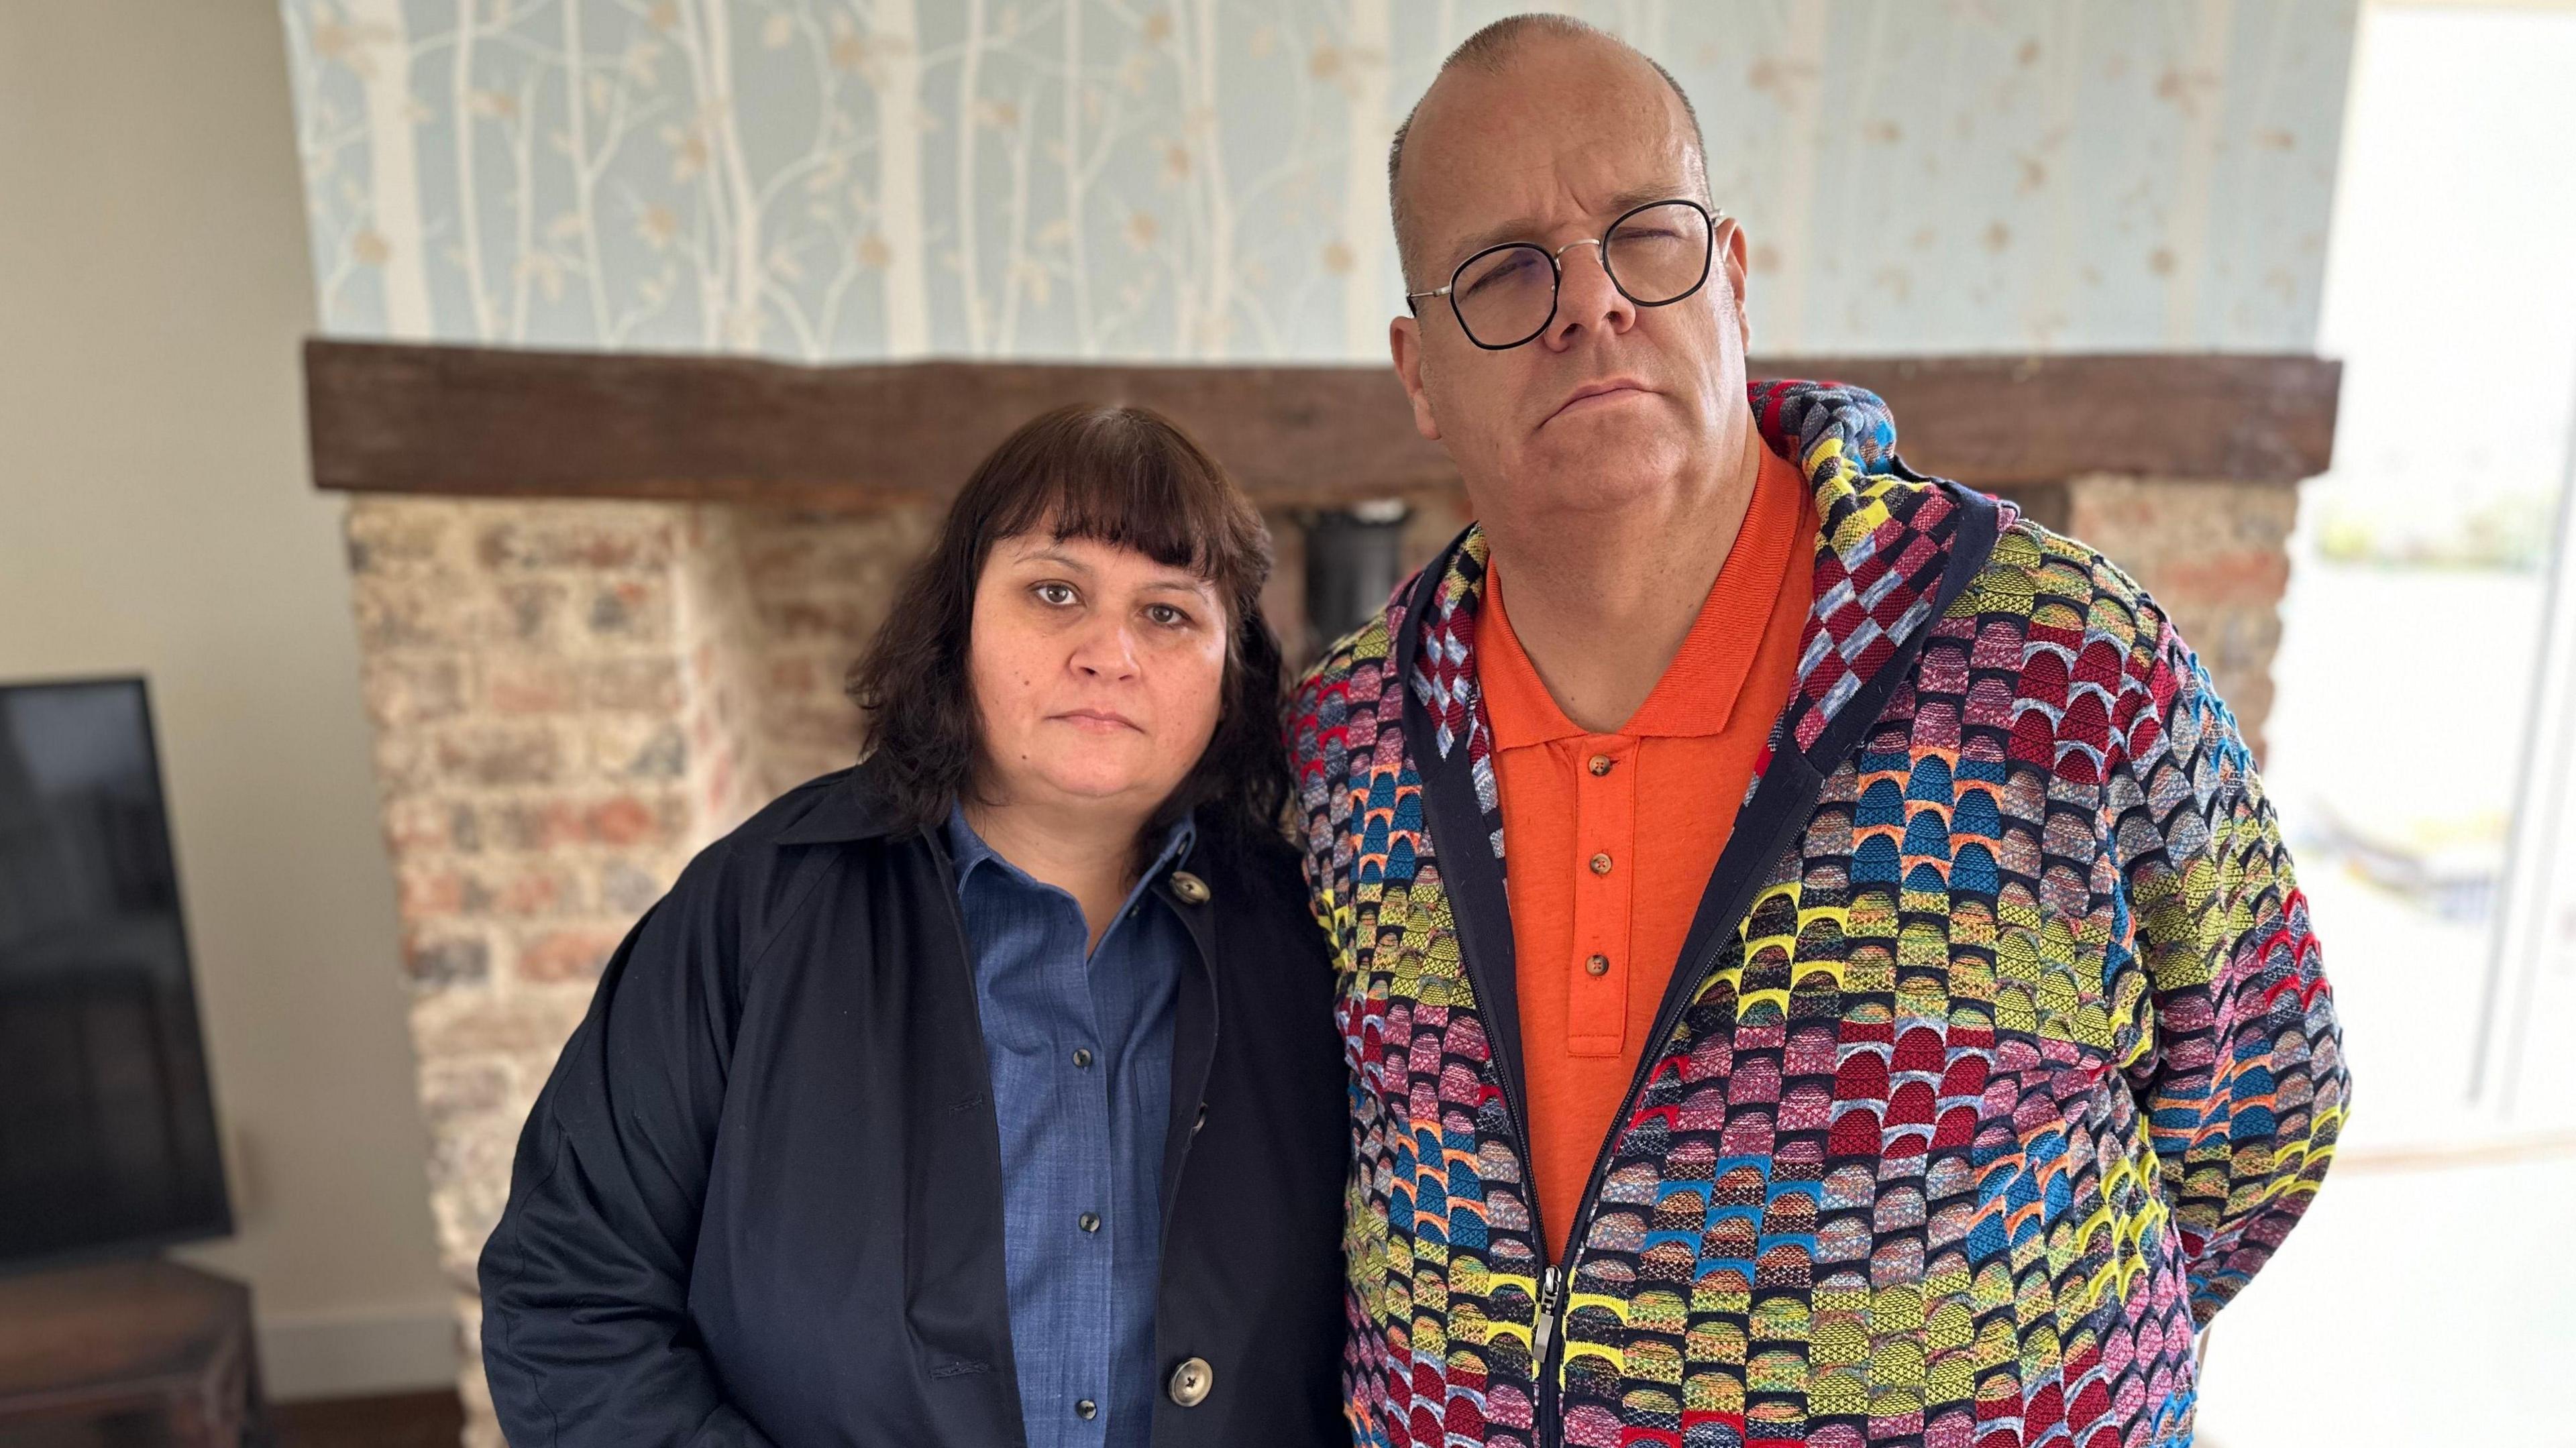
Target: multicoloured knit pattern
2020,1061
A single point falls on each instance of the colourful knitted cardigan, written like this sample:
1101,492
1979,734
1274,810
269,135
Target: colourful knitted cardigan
1998,1056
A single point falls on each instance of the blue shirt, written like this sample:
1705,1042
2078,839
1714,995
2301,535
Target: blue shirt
1081,1055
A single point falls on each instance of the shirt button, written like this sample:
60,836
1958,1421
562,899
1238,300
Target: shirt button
1090,1221
1082,1057
1601,764
1597,965
1601,864
1086,1410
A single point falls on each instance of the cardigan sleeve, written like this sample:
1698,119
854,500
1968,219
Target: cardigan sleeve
586,1330
2241,1073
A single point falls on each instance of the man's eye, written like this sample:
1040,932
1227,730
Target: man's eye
1057,595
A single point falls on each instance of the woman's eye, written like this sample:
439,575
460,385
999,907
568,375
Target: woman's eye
1056,595
1166,615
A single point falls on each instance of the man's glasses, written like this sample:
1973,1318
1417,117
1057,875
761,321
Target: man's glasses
1505,295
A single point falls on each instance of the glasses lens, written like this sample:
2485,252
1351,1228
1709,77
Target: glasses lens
1659,254
1504,296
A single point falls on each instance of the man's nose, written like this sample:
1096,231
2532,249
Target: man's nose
1586,297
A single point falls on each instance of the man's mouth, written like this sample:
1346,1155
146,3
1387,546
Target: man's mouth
1609,392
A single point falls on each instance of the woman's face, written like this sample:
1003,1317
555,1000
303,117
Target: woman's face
1097,672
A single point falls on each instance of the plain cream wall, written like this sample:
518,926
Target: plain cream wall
157,516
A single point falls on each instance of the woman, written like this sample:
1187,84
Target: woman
987,1093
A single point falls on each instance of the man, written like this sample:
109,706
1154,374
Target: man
1818,962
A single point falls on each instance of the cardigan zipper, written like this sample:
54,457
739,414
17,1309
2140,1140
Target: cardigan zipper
1548,1337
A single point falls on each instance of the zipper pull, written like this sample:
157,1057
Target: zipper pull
1544,1333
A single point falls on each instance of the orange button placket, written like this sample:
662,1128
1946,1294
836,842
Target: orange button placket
1605,826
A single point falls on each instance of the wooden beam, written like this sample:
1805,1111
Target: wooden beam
462,421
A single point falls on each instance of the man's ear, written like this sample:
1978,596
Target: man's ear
1730,259
1404,339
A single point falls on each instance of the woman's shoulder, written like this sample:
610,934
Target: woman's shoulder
754,873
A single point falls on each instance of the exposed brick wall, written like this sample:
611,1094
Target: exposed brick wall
2216,555
571,698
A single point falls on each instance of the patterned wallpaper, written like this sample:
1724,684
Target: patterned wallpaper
1205,178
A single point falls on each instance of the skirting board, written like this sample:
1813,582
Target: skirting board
348,1354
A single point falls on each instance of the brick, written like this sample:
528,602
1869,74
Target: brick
571,954
531,685
390,537
579,536
629,610
630,819
394,615
795,676
450,1089
410,690
846,621
406,762
424,891
500,754
469,1183
639,749
519,889
638,685
471,1020
416,826
531,611
627,889
441,962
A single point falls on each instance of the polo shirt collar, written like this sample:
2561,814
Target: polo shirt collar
1698,691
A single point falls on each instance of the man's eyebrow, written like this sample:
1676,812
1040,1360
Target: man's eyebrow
1526,228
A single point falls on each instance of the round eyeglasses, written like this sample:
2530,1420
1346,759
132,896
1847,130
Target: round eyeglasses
1505,295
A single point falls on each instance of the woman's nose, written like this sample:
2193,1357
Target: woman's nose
1105,650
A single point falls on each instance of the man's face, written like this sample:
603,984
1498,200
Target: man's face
1552,150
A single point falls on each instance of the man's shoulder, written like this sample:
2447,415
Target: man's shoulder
1356,659
2058,582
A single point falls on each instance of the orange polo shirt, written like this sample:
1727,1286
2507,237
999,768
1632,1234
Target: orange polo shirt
1609,839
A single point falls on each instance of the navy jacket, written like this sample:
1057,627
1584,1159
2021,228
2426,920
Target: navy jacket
759,1201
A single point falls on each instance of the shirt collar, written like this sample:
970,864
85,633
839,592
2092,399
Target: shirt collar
967,850
1699,688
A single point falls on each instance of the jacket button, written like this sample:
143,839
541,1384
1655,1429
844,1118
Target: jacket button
1601,864
1191,889
1597,965
1086,1410
1191,1381
1089,1221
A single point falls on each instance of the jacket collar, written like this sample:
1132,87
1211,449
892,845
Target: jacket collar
1883,550
847,808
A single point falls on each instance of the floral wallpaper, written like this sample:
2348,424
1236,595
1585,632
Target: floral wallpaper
1205,179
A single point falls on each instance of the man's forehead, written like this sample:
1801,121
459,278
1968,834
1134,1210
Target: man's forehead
1550,138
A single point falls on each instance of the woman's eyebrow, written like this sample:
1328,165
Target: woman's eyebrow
1059,559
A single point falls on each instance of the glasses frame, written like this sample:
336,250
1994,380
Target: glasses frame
1556,268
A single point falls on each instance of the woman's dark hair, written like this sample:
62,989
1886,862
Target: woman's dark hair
1125,476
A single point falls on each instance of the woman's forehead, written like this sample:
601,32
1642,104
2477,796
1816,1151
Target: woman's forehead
1095,556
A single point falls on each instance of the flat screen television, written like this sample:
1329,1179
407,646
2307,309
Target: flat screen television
107,1126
